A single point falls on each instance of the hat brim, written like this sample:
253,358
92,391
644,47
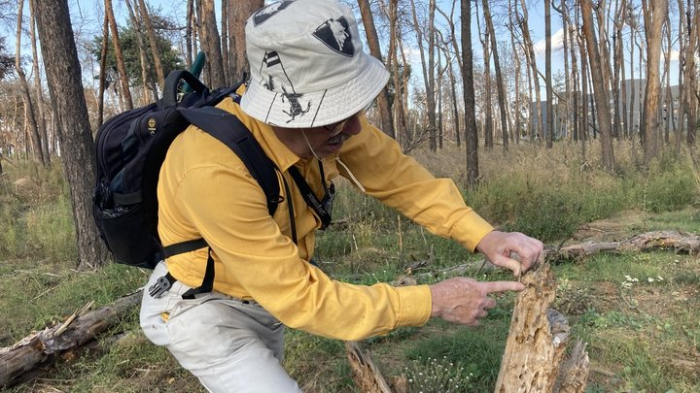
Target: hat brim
315,109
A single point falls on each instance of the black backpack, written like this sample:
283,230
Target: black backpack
130,149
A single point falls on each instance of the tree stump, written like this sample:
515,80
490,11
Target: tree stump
537,343
366,375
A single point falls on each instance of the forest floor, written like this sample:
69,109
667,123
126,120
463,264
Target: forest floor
638,312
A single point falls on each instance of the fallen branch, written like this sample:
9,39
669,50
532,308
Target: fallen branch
76,331
679,242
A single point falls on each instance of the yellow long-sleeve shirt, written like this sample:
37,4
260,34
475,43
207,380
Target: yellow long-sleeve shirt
205,191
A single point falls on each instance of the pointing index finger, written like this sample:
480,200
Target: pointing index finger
503,286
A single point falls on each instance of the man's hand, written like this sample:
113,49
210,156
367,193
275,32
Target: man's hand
497,246
464,300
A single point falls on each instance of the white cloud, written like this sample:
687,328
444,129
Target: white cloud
557,43
675,55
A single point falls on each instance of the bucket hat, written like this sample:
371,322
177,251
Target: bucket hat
308,67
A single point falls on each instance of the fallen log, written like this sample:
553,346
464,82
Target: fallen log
536,345
678,242
76,331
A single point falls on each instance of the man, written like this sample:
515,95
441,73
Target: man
310,83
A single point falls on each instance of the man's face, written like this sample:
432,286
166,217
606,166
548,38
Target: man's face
328,140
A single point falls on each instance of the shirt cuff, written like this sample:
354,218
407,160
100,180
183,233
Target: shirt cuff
470,230
415,305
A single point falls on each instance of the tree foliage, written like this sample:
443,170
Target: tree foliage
7,62
128,38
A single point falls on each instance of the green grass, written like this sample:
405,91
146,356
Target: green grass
642,336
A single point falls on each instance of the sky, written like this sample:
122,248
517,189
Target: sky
86,17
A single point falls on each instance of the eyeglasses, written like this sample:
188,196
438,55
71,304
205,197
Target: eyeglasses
336,128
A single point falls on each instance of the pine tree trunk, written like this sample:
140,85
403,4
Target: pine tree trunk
103,73
211,43
145,66
41,122
427,67
499,76
654,16
26,97
373,42
64,79
153,41
600,91
472,141
121,67
488,101
238,14
548,71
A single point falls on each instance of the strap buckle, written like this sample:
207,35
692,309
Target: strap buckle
162,285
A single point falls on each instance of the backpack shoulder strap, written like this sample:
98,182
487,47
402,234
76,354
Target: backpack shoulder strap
228,129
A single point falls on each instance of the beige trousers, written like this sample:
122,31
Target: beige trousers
230,346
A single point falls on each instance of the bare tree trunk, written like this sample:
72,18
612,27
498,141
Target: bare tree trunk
690,74
142,54
499,77
567,75
654,17
153,41
472,141
375,50
26,96
404,93
393,66
211,42
599,91
548,71
516,59
533,64
188,33
618,59
577,89
225,57
488,102
428,74
64,79
103,73
668,95
121,68
41,122
238,13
